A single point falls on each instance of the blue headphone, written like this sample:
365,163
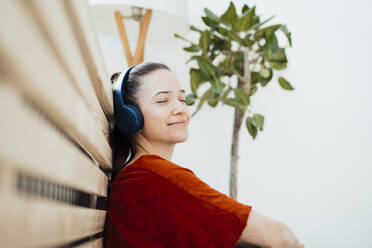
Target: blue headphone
128,118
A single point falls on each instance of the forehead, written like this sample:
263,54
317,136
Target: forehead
159,80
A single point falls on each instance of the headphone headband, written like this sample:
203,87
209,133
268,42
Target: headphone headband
120,86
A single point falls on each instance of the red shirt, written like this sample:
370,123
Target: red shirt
156,203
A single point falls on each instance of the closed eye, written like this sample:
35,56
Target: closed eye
166,101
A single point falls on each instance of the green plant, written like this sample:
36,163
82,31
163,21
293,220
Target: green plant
241,46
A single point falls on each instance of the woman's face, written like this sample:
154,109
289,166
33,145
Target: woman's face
161,100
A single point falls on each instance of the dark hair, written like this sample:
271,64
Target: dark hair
120,143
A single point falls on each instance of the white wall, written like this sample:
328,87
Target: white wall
311,165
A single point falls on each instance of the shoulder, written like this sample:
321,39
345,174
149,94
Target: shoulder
186,180
164,168
147,173
153,175
158,166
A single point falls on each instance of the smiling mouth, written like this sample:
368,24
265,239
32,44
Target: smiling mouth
183,123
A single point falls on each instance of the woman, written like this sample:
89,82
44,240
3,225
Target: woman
153,202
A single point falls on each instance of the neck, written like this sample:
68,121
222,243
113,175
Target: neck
144,146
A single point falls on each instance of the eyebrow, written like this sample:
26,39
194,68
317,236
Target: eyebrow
168,91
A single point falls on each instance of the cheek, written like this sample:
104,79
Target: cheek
188,111
154,119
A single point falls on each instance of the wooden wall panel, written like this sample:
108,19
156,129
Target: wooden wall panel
30,62
32,145
28,221
56,113
98,243
52,17
86,35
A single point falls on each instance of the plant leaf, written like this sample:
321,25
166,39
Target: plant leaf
265,72
265,81
192,48
253,90
259,24
266,32
238,64
192,27
192,58
207,95
196,79
180,37
284,29
190,99
242,96
227,92
212,15
204,40
217,87
222,31
245,8
225,66
234,103
234,36
278,65
285,84
209,22
252,129
229,17
255,77
271,44
213,102
206,67
244,22
220,44
258,121
277,56
247,41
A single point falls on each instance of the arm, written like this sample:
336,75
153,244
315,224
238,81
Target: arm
267,233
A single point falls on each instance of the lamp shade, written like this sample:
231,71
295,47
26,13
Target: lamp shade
168,17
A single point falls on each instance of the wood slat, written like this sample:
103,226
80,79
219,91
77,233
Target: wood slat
52,16
29,221
30,62
34,146
92,53
97,243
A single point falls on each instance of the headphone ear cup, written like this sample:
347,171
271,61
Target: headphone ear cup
129,119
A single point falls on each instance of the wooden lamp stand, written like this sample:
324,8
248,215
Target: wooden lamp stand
144,25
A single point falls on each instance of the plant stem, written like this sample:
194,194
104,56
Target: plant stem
244,84
247,73
238,119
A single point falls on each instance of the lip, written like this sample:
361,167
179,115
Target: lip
178,123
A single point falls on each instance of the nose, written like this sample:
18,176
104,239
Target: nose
179,107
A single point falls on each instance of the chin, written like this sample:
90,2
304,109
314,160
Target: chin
180,138
183,140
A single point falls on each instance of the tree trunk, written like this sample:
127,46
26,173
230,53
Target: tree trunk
238,120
